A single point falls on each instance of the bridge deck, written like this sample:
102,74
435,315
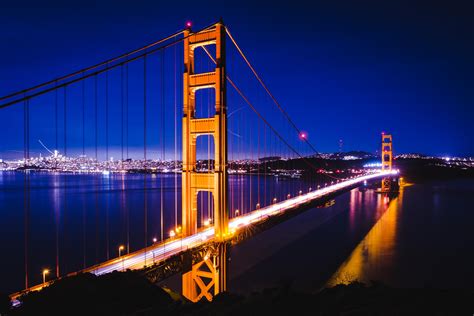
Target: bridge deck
161,251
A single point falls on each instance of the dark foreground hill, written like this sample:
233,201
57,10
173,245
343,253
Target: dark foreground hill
131,294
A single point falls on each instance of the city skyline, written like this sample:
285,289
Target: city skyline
426,77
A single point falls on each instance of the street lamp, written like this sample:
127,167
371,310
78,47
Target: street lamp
236,212
121,247
45,271
153,251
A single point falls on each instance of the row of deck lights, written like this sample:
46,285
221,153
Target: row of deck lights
174,232
300,192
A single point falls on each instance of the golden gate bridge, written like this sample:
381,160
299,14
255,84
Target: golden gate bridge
225,135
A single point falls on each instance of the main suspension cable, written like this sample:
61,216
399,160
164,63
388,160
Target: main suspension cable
263,119
91,74
268,91
24,91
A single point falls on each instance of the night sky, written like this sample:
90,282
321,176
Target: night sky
342,69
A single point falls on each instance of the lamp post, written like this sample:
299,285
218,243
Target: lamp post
45,271
153,251
120,255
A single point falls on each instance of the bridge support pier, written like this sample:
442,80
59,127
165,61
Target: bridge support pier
207,277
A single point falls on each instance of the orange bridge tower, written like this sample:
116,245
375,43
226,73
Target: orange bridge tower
387,156
206,276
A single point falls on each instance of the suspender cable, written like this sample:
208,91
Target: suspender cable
26,189
123,206
208,154
96,208
231,167
258,162
96,141
250,166
56,224
107,231
107,119
126,125
265,163
126,105
65,122
65,213
107,166
241,132
145,205
163,129
122,114
83,117
175,143
56,118
96,130
83,234
83,154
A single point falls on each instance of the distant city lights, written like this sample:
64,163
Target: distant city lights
373,165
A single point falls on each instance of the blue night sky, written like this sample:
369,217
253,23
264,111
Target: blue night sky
342,69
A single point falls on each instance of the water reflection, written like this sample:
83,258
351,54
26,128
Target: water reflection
375,255
79,220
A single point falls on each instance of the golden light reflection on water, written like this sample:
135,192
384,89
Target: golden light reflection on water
374,255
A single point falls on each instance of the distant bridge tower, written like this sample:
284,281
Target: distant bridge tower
208,277
386,160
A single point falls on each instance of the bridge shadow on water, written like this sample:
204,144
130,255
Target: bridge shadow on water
303,250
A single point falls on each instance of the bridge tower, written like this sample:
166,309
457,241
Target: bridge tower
386,160
208,277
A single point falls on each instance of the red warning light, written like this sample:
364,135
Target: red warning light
188,24
303,135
